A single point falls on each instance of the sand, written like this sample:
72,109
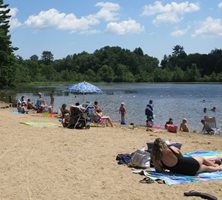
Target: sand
62,164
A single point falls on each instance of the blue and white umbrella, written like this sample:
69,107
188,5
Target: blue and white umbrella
84,88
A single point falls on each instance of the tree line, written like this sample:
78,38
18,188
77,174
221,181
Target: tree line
107,64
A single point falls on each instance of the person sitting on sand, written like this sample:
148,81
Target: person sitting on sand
169,122
170,158
66,120
64,110
30,105
206,128
43,108
23,101
99,113
184,126
22,108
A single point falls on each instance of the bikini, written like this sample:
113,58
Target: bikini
185,165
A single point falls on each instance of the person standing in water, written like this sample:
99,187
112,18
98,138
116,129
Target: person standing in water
122,111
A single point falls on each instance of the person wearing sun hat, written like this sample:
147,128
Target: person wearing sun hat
184,126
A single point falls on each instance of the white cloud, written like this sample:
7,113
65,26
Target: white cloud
178,33
14,22
220,5
171,12
209,27
124,27
52,18
108,11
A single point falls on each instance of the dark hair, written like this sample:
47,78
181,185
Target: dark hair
63,105
95,102
150,101
77,104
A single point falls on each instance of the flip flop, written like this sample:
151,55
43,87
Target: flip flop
200,194
147,180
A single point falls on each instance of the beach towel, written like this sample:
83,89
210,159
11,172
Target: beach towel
51,115
15,112
41,124
210,155
171,179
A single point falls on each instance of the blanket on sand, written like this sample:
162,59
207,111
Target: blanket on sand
171,179
41,124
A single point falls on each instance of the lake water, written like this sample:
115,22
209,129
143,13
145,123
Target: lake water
177,101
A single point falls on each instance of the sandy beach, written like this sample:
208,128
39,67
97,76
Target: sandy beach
63,164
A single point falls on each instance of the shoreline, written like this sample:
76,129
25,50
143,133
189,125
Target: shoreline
5,105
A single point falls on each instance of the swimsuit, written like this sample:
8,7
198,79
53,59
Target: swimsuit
185,165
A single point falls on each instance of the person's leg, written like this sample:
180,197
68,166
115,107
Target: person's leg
204,161
205,168
110,121
122,117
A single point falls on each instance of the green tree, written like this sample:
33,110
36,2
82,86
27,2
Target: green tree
6,50
34,58
138,51
124,75
47,57
105,73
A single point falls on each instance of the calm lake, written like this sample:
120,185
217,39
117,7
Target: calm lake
177,101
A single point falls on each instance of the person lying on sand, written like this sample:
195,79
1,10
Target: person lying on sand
170,158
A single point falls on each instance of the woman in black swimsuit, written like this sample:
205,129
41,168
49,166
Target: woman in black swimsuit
171,158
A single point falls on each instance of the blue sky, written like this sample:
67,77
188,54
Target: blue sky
65,27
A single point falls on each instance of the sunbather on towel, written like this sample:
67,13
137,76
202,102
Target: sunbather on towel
170,158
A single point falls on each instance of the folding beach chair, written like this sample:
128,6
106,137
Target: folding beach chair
93,117
210,126
78,118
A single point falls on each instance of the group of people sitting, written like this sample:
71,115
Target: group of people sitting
169,125
24,105
78,115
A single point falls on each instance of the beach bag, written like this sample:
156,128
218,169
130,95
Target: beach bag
140,159
149,123
172,128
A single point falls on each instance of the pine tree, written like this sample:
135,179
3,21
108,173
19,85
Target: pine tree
6,50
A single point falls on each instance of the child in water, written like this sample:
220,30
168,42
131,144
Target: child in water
122,111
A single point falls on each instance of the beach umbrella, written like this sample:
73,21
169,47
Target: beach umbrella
84,88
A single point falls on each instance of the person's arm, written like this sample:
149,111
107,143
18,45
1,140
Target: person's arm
176,150
158,166
99,114
181,128
187,128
